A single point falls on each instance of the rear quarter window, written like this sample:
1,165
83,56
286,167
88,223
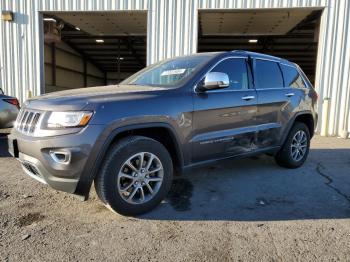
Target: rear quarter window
292,78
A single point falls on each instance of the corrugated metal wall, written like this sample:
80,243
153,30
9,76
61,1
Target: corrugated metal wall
172,31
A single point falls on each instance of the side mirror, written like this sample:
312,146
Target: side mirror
214,80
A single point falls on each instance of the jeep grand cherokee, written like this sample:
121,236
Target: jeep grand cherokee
129,138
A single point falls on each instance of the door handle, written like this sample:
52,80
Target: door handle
247,98
289,94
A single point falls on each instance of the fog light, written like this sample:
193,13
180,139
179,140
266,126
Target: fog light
61,157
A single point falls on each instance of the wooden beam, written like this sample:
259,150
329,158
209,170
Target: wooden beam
53,63
85,72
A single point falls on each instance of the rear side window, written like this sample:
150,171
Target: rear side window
268,74
292,77
236,69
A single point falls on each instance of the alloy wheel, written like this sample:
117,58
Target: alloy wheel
299,145
140,178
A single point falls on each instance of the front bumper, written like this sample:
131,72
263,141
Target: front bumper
35,155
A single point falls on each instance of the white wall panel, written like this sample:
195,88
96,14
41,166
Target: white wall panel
172,27
172,31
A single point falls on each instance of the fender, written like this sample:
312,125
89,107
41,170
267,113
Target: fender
291,123
100,149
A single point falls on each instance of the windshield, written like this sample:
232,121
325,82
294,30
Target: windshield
168,72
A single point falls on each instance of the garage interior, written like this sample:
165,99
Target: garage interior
83,49
288,33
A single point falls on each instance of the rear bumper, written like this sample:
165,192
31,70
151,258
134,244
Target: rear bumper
38,160
8,116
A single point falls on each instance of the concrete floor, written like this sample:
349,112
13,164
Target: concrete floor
247,210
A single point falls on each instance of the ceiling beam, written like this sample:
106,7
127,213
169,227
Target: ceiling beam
79,35
84,55
111,54
133,51
291,35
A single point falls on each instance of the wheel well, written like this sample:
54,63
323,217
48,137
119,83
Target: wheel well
308,120
160,134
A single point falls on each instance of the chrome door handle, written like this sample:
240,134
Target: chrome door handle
289,94
247,98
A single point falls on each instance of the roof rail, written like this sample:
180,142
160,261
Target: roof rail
261,55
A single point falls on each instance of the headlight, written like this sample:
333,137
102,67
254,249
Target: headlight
68,119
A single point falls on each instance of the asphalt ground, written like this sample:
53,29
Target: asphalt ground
235,210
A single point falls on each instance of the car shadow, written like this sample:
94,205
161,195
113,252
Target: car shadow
3,145
256,189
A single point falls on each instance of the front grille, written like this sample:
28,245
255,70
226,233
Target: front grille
27,121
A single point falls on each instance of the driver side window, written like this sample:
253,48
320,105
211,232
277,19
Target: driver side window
236,69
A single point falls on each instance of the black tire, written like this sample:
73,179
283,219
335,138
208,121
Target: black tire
284,156
106,181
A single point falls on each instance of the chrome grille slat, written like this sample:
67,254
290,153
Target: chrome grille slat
18,119
34,122
23,120
27,121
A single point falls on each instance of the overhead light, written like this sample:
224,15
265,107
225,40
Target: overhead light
120,58
253,40
77,28
49,19
7,15
100,41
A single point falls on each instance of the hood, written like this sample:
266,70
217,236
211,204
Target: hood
77,99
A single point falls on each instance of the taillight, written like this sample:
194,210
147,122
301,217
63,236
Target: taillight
12,101
314,95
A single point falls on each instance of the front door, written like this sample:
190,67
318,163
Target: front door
225,119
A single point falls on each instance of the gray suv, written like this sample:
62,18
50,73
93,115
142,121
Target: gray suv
130,138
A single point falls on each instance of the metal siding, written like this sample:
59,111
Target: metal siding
172,31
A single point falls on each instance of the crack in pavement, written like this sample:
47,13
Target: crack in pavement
330,181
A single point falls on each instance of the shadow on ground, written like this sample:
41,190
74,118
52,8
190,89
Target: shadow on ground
3,145
256,189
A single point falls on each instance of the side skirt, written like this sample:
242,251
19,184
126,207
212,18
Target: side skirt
270,150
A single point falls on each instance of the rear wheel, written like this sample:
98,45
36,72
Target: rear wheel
296,147
136,176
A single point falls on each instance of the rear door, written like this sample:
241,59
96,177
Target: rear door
274,107
225,119
296,88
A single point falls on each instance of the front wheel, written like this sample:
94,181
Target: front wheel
296,147
136,175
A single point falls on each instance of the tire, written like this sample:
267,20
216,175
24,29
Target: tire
286,157
116,183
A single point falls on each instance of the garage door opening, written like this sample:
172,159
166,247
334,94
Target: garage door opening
83,49
287,33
